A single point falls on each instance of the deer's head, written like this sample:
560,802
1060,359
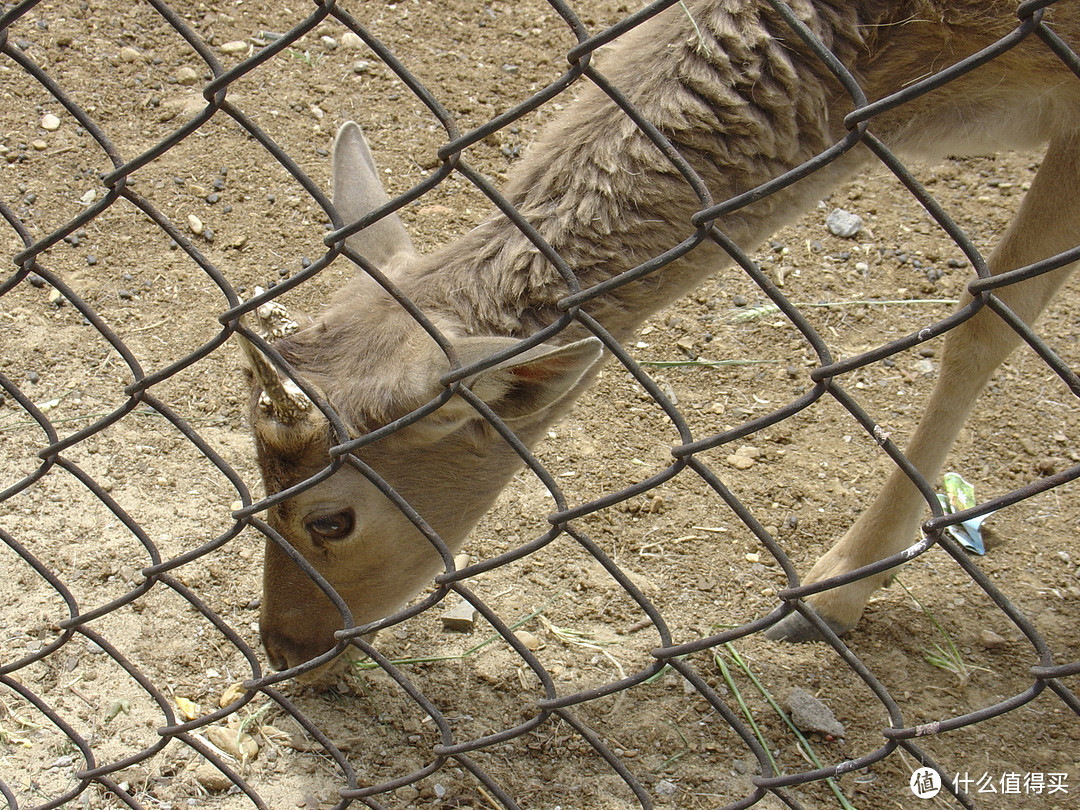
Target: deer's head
372,363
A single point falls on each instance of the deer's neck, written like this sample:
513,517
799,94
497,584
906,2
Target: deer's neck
742,104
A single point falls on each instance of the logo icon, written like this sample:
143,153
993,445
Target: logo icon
925,783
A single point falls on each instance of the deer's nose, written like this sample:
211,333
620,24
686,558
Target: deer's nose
285,651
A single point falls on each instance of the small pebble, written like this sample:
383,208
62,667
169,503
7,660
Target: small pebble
195,224
666,787
810,714
238,745
991,640
50,123
843,223
530,641
213,780
91,259
234,47
461,617
129,54
350,41
232,693
744,458
186,76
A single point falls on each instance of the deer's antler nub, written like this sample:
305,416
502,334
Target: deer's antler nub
281,398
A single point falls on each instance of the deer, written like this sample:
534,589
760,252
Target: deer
738,94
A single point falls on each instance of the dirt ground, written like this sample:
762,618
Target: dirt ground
804,479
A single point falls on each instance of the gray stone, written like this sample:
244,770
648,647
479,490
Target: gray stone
810,714
843,223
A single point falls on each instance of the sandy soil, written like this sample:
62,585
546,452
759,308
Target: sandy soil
804,479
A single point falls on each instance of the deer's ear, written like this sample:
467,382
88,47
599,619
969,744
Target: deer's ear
531,382
357,192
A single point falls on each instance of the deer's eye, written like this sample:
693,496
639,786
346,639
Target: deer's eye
332,527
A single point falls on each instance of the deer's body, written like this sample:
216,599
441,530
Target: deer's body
743,100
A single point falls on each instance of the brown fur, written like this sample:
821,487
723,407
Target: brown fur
742,100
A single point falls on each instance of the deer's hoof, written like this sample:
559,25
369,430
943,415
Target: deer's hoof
795,629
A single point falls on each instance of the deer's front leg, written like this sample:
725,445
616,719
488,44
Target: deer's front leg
1047,223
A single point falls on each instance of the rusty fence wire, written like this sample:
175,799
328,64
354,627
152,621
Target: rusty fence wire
95,780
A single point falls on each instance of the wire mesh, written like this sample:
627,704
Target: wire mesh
88,563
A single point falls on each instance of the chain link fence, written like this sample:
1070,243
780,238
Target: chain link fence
127,498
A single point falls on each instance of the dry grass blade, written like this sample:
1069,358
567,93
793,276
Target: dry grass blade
749,314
